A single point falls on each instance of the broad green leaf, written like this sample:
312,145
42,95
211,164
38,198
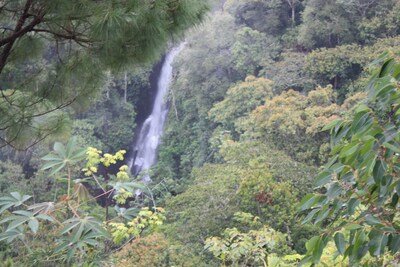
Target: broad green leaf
323,178
59,149
307,202
340,243
323,213
376,241
391,147
352,205
349,150
34,225
310,215
23,213
394,243
353,226
59,168
379,171
17,222
70,147
371,220
334,191
11,235
51,164
42,208
51,157
330,125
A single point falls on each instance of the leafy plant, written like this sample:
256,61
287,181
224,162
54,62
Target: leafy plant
359,188
80,232
15,200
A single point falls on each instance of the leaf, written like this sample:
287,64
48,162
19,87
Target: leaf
34,225
334,191
42,208
14,200
59,149
352,205
371,220
81,192
394,243
379,171
377,242
349,150
352,226
330,125
307,202
11,235
339,242
70,147
51,157
310,216
58,169
391,147
323,178
322,215
19,220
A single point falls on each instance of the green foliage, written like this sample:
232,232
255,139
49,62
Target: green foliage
144,219
244,249
289,73
296,119
270,17
63,156
67,39
253,50
75,229
358,187
207,207
14,200
341,64
328,23
156,250
240,100
12,178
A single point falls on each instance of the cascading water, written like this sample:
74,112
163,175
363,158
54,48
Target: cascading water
146,145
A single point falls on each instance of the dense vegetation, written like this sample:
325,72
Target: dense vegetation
282,144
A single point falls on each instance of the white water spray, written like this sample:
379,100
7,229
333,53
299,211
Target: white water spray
145,148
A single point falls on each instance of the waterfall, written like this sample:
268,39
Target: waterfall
146,145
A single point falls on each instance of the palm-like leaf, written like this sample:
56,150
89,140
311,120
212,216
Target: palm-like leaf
14,200
42,208
22,217
63,155
127,186
81,192
13,234
78,227
87,239
128,214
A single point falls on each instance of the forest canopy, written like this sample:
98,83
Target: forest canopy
281,144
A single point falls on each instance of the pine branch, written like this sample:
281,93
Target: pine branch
19,31
71,36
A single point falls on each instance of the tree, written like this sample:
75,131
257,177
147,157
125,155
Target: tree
358,190
296,119
325,24
240,100
48,50
253,50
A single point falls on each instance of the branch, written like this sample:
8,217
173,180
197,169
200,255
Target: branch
72,36
18,32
